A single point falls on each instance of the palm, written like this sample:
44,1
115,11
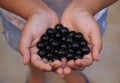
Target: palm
83,22
35,27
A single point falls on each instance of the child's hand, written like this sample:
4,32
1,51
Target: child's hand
36,25
80,20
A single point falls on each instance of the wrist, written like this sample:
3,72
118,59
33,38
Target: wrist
38,11
22,9
41,12
93,6
39,8
81,5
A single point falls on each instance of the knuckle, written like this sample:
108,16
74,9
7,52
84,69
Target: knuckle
38,65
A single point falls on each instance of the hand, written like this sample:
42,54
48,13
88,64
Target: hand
79,19
36,25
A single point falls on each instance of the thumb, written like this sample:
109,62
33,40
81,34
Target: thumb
24,46
96,44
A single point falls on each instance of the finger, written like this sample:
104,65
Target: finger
86,61
67,70
96,44
24,46
34,50
71,63
78,62
60,72
45,61
56,64
37,62
78,65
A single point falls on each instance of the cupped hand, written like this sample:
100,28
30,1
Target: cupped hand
35,27
80,20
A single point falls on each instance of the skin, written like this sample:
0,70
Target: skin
78,16
38,21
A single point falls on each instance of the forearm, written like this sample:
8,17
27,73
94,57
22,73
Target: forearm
24,8
93,6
